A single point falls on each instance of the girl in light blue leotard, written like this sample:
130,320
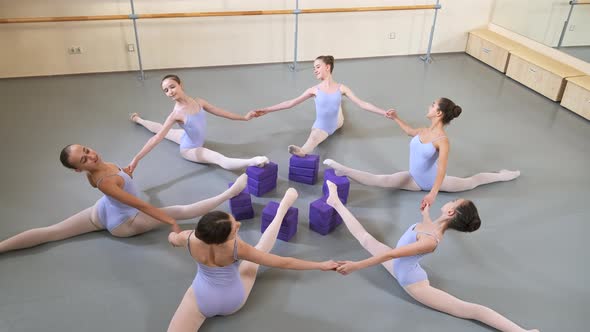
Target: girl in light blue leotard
120,211
328,96
189,114
419,240
429,151
222,283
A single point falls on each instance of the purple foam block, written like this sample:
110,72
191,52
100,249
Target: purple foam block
320,209
271,181
240,201
261,173
271,210
303,171
259,192
302,179
309,161
284,235
322,230
244,215
241,209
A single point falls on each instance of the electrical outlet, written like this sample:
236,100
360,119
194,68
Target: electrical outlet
75,50
130,47
392,35
572,27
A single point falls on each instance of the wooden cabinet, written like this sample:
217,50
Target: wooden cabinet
576,97
491,48
539,72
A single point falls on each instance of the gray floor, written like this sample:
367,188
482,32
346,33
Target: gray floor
527,261
580,52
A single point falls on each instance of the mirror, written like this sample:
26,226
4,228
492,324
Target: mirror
560,24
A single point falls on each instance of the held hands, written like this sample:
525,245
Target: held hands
346,267
427,201
130,168
391,114
328,266
257,113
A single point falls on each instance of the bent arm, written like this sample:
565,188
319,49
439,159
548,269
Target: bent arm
421,246
290,103
219,111
155,140
110,187
443,158
361,103
252,254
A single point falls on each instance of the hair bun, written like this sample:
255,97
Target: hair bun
457,111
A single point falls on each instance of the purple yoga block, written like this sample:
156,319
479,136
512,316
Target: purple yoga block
268,182
240,201
270,210
261,173
259,192
241,209
302,179
284,234
320,209
303,171
309,161
244,215
323,230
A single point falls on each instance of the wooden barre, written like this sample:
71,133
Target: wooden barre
580,3
213,14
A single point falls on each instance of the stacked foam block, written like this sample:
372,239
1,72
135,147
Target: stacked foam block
288,225
304,169
341,182
241,205
262,179
322,217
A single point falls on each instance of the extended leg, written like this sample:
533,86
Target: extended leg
77,224
173,135
187,317
206,156
357,230
143,223
399,180
267,241
441,301
455,184
316,137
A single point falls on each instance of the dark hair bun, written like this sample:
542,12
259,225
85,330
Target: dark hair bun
456,111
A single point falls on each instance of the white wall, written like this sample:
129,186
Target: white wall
41,49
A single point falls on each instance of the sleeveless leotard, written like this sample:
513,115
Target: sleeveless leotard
111,212
218,290
423,162
327,106
407,270
194,130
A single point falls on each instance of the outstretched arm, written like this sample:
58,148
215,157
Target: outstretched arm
111,186
443,158
220,111
152,142
422,246
252,254
361,103
409,130
286,104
